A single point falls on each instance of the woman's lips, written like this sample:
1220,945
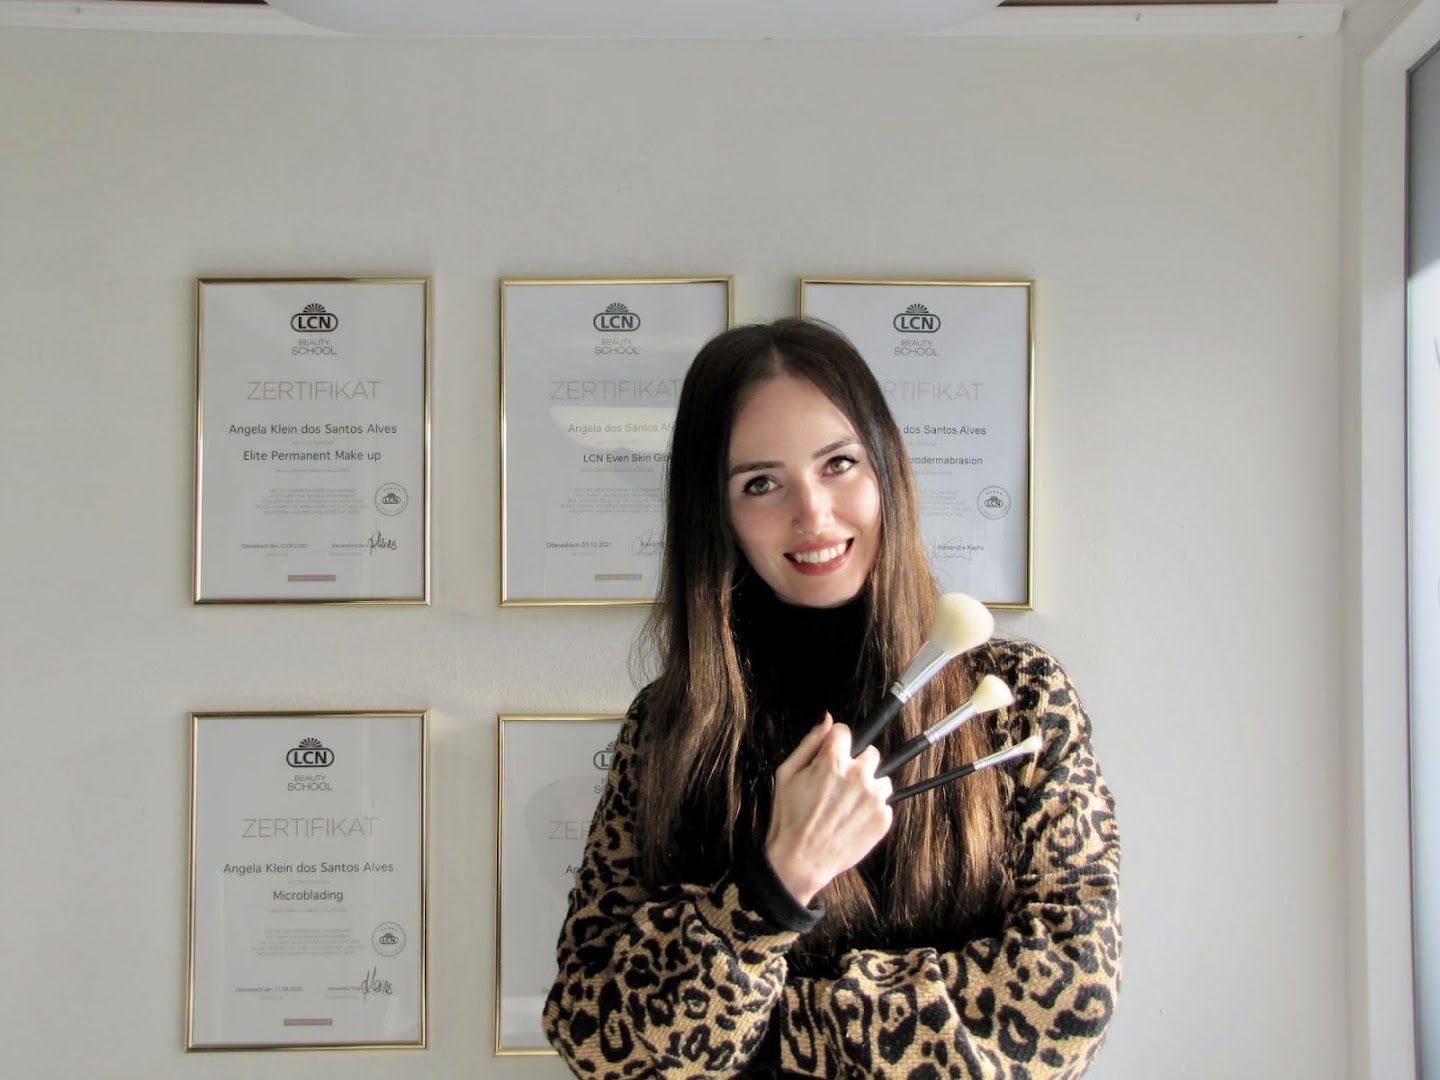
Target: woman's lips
830,566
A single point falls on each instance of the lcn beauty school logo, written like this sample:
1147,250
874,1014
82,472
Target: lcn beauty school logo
603,758
310,754
616,319
916,319
314,319
310,323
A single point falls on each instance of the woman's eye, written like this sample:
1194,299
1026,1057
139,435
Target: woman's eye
840,463
759,485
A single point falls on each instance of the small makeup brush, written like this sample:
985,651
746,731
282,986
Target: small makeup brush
961,623
1031,745
990,695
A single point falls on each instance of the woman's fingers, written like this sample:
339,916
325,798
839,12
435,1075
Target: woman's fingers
879,791
836,745
869,760
804,753
883,787
829,810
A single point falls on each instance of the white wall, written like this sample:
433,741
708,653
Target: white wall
1177,204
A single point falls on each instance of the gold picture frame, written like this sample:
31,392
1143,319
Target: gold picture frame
421,718
507,599
617,719
197,579
1026,601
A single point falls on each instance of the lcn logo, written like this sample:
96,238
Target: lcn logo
310,755
603,758
617,318
916,319
314,320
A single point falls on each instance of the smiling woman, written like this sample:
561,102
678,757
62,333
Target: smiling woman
803,497
749,902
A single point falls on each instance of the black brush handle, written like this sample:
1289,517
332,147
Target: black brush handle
887,710
918,745
935,781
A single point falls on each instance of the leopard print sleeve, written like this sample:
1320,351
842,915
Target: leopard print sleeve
678,982
1032,1003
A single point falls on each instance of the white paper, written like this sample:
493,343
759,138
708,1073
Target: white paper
553,773
592,378
954,364
308,926
312,441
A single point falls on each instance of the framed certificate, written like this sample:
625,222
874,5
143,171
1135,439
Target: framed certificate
552,770
307,880
956,360
590,375
312,448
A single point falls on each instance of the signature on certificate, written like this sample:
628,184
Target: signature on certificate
647,543
954,547
373,984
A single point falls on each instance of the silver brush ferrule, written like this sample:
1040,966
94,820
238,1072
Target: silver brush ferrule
1002,756
951,722
921,670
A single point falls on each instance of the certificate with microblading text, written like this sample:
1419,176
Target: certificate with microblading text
955,361
552,771
590,375
307,880
312,441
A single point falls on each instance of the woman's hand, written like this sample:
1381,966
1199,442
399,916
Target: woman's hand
829,810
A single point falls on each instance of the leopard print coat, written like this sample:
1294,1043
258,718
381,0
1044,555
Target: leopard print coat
686,981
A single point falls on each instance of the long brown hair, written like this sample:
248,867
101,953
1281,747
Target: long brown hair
701,710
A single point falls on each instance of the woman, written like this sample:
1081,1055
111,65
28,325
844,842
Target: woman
748,903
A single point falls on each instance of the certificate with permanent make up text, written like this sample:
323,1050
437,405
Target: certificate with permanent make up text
312,448
307,880
590,375
955,362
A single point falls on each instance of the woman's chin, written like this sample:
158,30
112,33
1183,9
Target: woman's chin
820,594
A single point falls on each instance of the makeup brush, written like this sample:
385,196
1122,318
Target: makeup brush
1031,745
990,695
961,623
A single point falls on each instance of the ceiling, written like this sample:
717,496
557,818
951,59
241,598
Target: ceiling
700,18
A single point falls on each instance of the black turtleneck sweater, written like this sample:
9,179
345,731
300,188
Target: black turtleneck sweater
802,662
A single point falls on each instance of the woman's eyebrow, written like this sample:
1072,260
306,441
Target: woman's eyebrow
752,466
830,448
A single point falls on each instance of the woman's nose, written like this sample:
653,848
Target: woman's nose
813,510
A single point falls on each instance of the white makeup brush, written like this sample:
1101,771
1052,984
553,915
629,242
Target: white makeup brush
990,695
961,623
1032,745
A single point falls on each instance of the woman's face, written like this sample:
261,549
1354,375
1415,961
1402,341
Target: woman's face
803,498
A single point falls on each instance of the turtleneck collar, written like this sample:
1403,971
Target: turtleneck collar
802,660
